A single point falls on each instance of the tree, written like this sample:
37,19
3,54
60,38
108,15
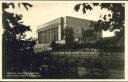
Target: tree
115,21
6,5
13,35
13,28
117,18
69,35
88,36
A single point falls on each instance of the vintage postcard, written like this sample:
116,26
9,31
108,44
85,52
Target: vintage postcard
64,40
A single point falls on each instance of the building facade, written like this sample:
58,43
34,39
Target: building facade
55,29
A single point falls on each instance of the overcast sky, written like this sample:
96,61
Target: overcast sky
43,12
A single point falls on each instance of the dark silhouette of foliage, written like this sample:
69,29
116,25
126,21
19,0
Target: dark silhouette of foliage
15,47
11,23
69,35
88,36
6,5
115,22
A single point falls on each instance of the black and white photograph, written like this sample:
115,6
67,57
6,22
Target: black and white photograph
63,40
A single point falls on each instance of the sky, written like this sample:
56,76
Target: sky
43,12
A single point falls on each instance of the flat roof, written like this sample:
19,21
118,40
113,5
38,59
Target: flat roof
58,21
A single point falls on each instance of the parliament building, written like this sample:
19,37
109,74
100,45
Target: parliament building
55,29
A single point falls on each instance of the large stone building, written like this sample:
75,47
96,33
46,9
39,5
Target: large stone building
54,30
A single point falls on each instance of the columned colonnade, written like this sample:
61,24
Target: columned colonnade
49,34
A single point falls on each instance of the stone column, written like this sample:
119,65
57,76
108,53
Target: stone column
59,32
50,34
53,34
45,38
42,38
